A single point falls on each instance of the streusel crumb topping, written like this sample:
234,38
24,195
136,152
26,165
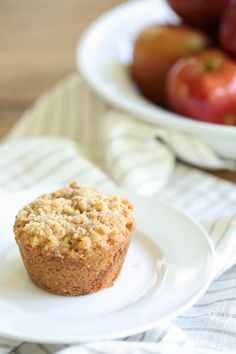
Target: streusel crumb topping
75,218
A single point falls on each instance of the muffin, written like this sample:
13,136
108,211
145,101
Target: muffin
74,241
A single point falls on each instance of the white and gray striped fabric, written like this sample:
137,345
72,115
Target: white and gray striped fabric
103,144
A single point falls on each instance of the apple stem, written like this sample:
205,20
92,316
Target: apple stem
212,64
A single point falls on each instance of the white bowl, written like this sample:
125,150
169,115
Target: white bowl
104,53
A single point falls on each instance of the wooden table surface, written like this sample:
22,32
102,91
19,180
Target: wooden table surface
37,49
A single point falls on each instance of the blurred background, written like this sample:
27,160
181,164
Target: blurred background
37,48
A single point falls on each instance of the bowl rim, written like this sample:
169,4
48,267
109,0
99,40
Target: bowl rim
153,113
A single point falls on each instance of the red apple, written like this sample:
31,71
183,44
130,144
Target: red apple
204,87
228,28
156,49
201,13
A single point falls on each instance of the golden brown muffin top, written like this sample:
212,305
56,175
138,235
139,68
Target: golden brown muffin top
75,218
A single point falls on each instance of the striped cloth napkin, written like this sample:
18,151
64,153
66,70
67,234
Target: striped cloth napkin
70,133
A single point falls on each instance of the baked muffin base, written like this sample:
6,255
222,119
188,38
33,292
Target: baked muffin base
73,276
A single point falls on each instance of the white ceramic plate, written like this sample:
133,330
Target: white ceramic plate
168,267
103,56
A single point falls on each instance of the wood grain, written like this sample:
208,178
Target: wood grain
7,119
228,175
37,49
37,44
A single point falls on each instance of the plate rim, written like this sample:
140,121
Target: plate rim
141,328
